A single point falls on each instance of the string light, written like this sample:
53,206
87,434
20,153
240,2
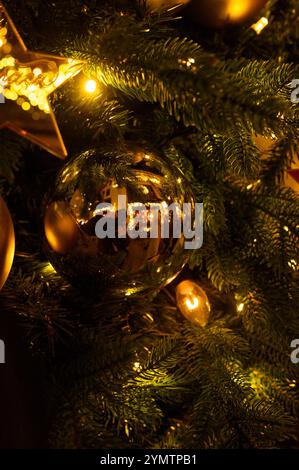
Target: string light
260,25
240,307
90,86
137,367
193,303
292,383
292,264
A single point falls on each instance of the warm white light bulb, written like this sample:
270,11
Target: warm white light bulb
90,86
260,25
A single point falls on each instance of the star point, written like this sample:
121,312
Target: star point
27,79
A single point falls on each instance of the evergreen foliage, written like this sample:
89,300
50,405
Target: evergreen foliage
135,373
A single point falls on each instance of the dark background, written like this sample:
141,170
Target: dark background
23,409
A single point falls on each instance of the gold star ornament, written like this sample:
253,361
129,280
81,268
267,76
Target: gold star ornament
26,80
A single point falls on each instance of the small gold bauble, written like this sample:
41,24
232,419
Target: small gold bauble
221,13
7,242
193,302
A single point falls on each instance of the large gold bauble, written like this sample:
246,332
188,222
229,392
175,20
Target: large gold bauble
120,265
7,242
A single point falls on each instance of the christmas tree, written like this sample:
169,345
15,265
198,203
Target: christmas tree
127,342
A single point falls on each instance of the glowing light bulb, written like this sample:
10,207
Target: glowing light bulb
193,302
240,307
260,25
292,264
90,86
37,72
26,106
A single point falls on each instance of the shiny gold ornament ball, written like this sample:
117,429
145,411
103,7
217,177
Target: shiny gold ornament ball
120,265
193,302
7,242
